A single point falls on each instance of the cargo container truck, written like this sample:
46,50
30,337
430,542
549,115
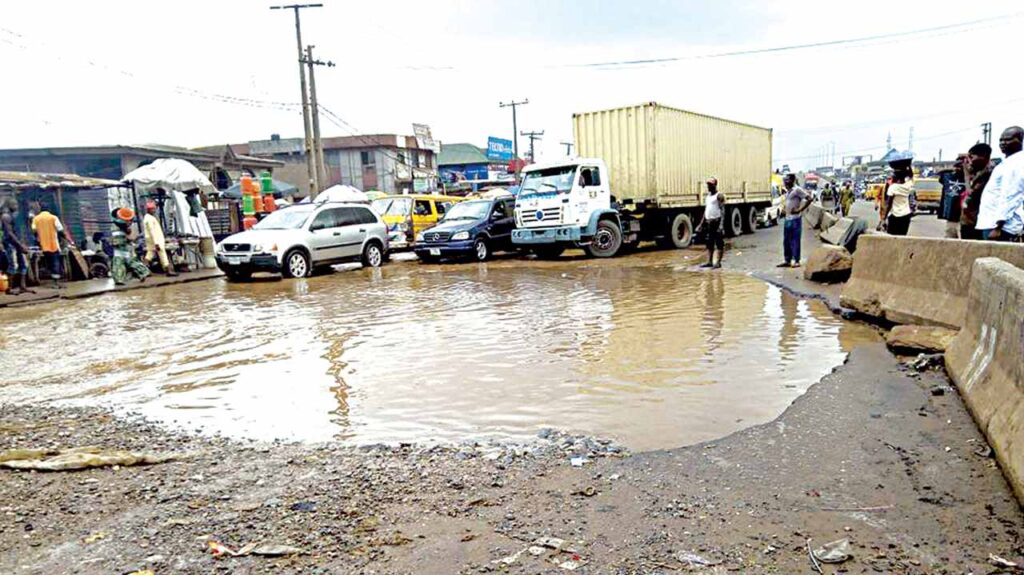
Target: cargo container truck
640,176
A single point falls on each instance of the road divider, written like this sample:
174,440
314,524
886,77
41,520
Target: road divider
985,362
918,280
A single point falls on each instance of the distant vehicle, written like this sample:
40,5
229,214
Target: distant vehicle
929,194
408,215
299,239
474,228
771,215
655,160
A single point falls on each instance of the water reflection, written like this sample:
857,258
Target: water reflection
650,354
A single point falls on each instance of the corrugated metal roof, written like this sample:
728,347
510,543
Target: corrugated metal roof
460,154
146,150
19,180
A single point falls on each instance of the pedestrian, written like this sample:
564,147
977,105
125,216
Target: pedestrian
122,238
977,172
797,201
953,182
155,243
899,196
846,199
48,229
1001,211
15,249
713,224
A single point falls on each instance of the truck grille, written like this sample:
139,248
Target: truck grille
436,236
237,247
547,216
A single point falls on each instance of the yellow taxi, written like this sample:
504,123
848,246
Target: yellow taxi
408,215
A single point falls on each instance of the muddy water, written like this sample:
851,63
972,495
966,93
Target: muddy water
642,350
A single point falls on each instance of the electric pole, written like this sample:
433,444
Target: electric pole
314,184
515,128
318,144
568,148
533,136
986,133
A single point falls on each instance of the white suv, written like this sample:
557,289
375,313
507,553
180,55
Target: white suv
294,241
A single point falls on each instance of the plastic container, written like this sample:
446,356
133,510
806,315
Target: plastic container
268,203
248,205
266,183
207,250
4,283
248,185
248,222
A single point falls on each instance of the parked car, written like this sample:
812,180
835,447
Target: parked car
408,215
474,228
297,240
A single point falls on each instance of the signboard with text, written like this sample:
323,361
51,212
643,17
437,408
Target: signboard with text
499,149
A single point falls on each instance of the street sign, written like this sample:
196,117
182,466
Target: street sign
499,149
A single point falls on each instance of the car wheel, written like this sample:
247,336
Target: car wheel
373,255
296,264
481,252
606,241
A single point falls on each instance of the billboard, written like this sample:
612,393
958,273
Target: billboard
499,150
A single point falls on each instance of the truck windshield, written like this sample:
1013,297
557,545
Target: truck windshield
468,211
286,219
550,180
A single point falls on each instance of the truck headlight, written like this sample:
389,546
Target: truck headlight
460,236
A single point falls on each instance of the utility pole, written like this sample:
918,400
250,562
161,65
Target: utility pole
515,129
533,136
568,148
986,133
314,184
318,144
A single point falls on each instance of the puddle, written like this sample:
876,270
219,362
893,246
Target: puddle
647,353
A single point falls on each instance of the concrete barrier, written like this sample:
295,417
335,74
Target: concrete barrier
812,216
918,280
834,235
986,360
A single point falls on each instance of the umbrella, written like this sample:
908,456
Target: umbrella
281,189
171,174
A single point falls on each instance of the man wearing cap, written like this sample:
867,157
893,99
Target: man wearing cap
1001,214
155,242
713,224
797,200
125,261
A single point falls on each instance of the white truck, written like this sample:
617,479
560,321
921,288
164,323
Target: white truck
641,176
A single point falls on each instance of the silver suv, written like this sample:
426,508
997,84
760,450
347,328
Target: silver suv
298,239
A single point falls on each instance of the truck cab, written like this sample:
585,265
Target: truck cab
569,204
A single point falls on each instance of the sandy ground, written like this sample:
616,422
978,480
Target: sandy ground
876,453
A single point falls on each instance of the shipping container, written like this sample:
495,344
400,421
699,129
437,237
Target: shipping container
662,157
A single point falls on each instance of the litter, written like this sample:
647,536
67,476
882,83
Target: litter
94,537
77,458
570,565
578,461
1003,563
550,542
588,491
146,572
834,552
694,560
270,550
510,559
536,551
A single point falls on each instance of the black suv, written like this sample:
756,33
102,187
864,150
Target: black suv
474,228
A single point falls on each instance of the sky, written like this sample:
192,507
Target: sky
191,73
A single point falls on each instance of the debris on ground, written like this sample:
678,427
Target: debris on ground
694,560
1003,563
265,550
588,491
77,458
927,361
834,552
578,461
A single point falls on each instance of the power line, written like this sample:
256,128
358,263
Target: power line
874,148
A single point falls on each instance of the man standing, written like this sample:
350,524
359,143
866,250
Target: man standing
713,224
846,199
47,228
17,265
797,200
122,238
978,171
155,243
953,182
1001,211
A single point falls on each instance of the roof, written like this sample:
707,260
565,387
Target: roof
264,148
26,180
208,155
460,154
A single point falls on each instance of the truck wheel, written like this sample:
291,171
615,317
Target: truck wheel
680,232
606,241
750,220
733,222
548,252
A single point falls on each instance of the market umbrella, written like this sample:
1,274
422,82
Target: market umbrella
281,190
171,174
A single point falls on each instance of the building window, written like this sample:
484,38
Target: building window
367,158
421,160
402,159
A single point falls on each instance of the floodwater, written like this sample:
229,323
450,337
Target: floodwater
643,350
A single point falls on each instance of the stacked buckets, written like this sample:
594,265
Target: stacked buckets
257,198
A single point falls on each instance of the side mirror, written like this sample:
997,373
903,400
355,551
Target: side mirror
315,227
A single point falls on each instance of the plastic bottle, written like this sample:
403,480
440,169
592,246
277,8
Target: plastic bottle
248,205
247,185
266,183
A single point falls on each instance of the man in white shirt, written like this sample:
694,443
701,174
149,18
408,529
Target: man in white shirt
1001,215
713,224
155,242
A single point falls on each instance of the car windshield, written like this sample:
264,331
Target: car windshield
393,206
468,211
286,219
550,180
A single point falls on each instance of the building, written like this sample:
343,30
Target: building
389,163
221,163
459,162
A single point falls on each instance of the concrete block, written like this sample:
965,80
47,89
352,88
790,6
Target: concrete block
920,338
812,216
918,280
828,220
834,234
828,264
986,361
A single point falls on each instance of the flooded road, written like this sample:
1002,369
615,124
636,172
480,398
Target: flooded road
641,349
